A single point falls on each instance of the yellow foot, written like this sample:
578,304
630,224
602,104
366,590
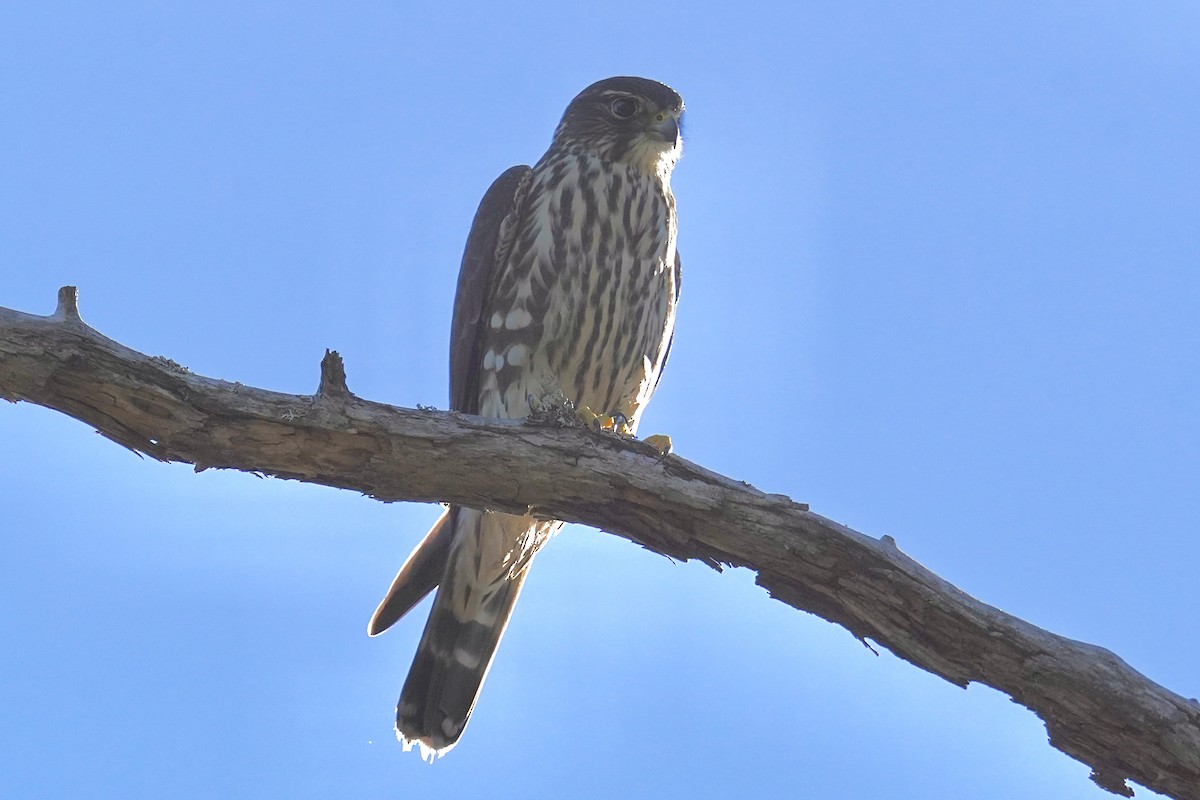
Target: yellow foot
660,442
616,422
589,418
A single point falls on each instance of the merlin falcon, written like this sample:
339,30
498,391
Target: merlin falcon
567,292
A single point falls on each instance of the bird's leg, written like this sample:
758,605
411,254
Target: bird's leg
613,422
591,419
617,422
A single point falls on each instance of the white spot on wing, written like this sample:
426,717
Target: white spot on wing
466,658
497,320
489,359
517,354
517,318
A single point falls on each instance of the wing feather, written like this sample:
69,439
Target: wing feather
476,282
424,569
678,287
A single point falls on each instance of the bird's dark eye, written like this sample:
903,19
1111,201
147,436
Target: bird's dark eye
624,107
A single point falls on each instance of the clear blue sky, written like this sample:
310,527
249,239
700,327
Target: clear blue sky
941,282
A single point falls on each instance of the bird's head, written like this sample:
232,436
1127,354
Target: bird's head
627,120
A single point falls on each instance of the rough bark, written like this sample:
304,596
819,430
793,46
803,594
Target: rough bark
1096,708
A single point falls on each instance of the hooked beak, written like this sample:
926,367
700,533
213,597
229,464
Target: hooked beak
666,128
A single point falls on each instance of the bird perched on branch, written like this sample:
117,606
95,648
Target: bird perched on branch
567,291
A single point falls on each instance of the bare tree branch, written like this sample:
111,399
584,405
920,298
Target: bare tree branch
1095,707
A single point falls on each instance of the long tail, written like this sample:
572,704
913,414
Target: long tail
484,558
451,663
